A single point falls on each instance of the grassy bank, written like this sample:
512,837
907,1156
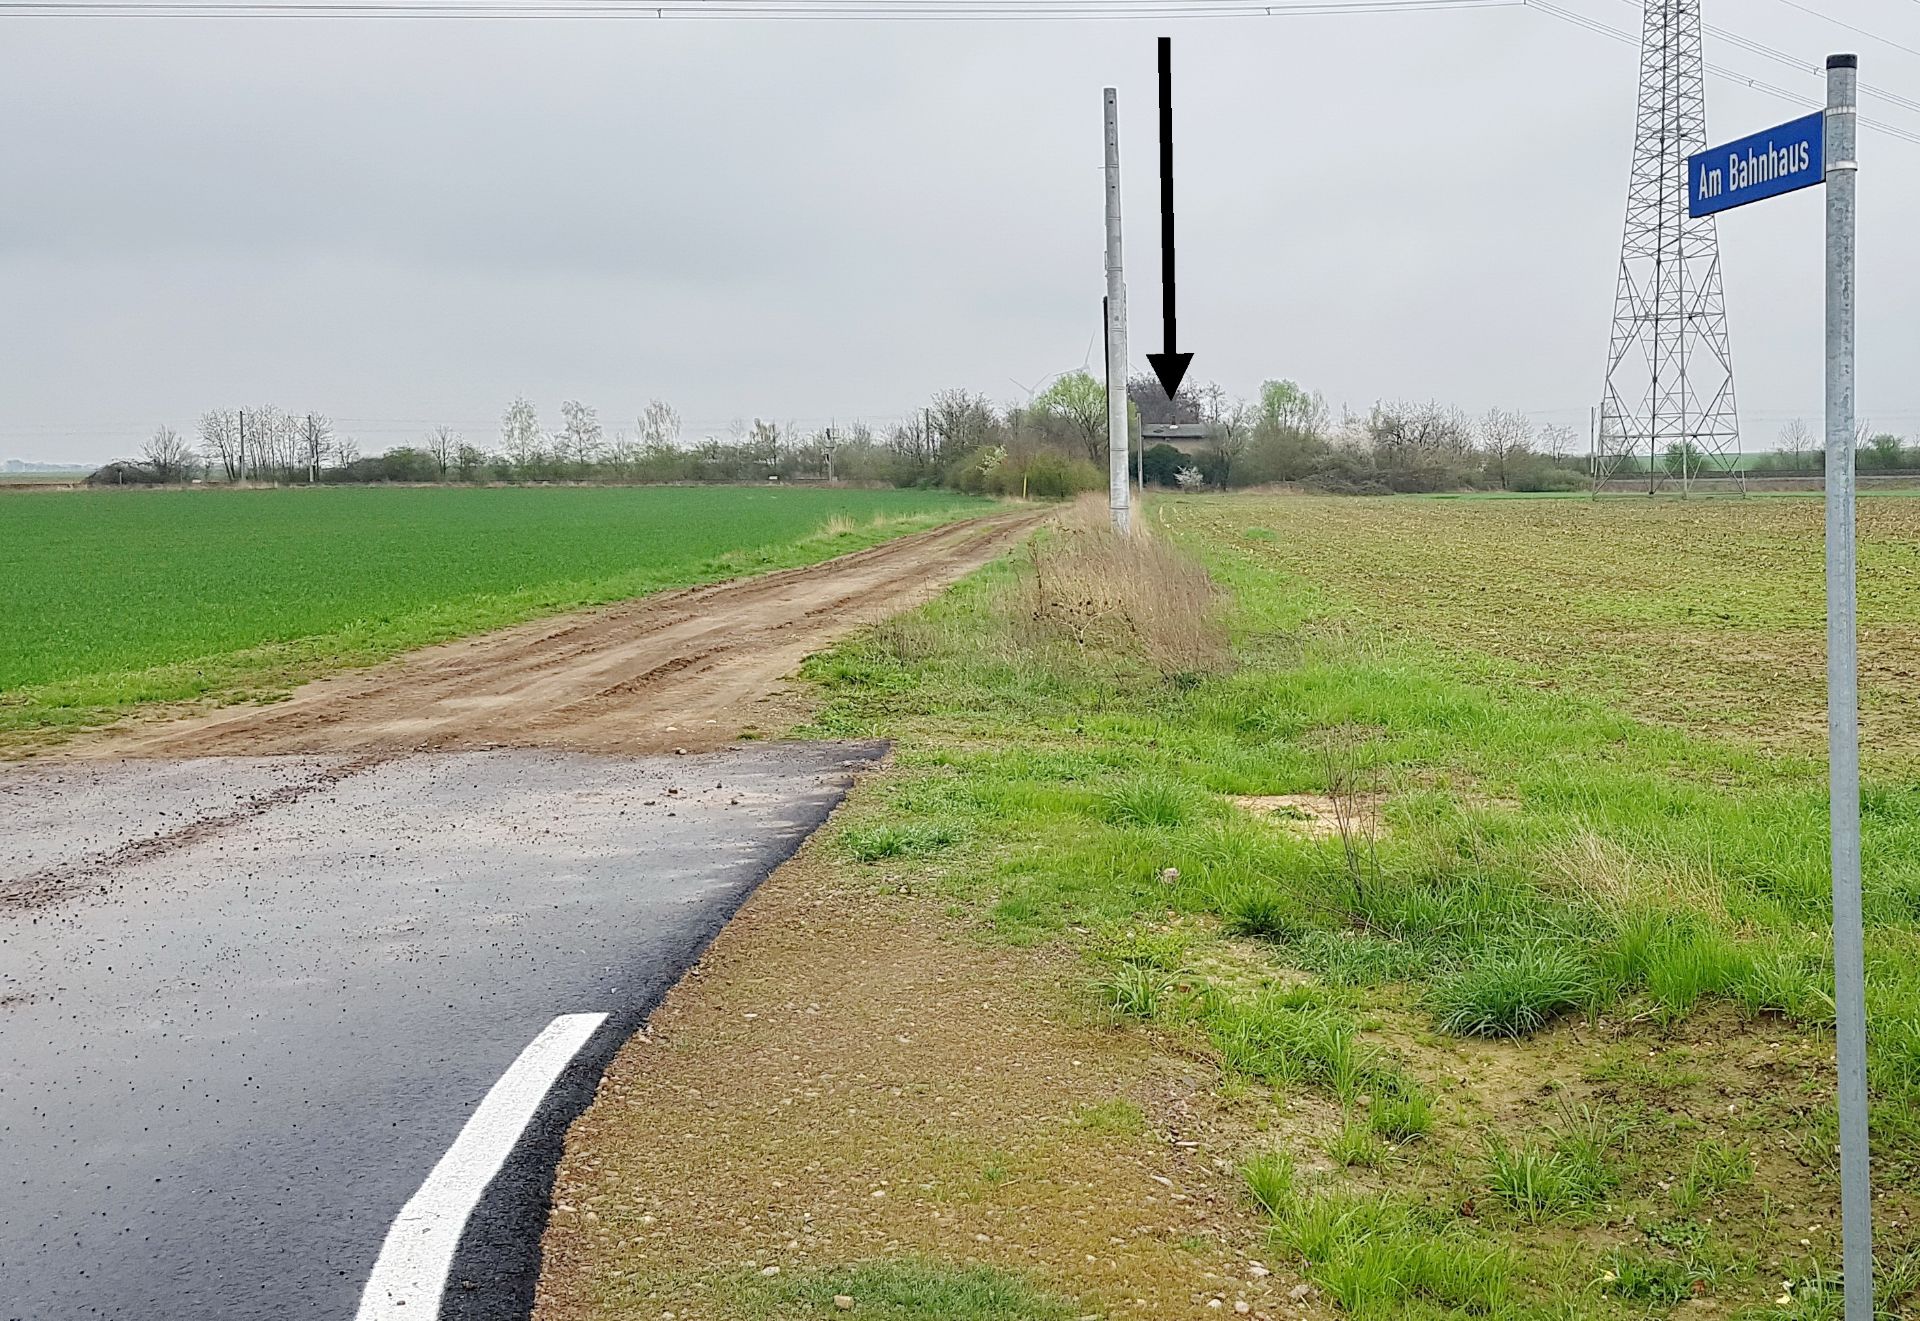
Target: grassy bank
118,599
1480,848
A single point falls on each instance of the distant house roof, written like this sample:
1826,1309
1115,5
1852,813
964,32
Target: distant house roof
1175,431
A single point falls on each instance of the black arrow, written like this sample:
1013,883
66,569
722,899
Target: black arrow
1170,366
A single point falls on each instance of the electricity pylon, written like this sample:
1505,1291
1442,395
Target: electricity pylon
1669,393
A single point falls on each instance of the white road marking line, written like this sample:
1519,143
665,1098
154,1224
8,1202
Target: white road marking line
411,1272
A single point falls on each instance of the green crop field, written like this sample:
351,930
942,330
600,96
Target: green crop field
1485,857
114,599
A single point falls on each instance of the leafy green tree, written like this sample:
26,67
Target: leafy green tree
1286,407
1079,403
1684,459
520,438
1882,452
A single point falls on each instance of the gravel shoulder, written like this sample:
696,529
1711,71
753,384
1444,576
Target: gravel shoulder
848,1077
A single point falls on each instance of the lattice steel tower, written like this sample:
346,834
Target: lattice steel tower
1669,395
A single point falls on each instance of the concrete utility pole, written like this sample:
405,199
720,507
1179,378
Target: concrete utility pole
1843,700
1119,493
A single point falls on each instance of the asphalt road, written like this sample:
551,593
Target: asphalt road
248,1005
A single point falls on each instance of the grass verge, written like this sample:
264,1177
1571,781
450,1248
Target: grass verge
1540,997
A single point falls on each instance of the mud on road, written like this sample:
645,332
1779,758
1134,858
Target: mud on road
686,670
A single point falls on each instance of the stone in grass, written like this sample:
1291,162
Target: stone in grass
843,1301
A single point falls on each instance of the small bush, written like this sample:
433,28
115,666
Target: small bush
1513,992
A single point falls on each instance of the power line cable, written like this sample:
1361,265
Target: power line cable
1792,61
1860,31
814,10
1718,70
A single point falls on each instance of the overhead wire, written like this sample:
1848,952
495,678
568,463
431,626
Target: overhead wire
1792,61
690,10
1552,10
1853,28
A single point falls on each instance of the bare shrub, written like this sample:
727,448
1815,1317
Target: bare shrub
1354,790
1134,596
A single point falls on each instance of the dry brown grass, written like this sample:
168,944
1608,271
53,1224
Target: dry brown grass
1134,593
1616,880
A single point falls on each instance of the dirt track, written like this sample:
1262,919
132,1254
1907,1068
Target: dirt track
688,669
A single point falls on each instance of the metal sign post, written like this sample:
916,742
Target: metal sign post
1819,149
1119,491
1843,703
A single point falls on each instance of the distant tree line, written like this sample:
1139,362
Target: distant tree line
1288,434
1801,454
959,439
1052,446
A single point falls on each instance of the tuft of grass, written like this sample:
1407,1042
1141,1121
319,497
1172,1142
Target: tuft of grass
1896,1062
1542,1183
1514,991
1790,983
1119,1117
1165,950
1153,801
1351,958
1403,1115
1135,596
914,1289
1136,990
1259,908
1269,1178
888,839
1677,958
1291,1037
1716,1169
1379,1256
1356,1144
1647,1279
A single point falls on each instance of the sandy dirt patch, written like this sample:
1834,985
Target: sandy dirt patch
685,670
848,1077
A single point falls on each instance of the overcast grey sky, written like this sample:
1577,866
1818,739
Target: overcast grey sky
406,223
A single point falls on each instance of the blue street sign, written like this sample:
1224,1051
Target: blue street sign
1780,160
